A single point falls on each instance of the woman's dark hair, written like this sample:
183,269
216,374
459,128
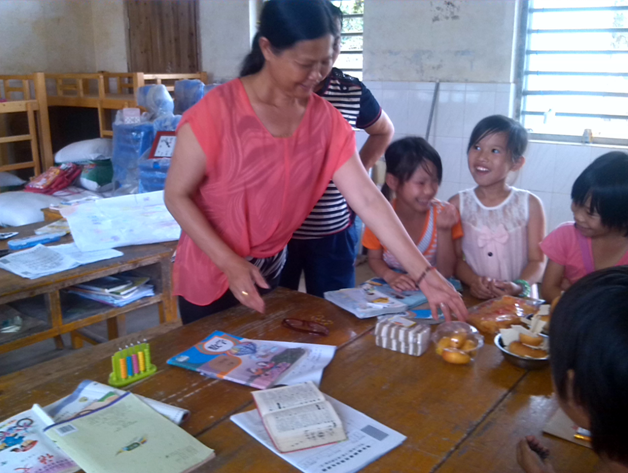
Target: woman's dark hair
286,22
403,157
605,181
589,335
517,135
336,13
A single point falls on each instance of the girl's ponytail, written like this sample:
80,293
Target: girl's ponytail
254,61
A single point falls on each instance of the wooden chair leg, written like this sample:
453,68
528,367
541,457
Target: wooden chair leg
77,340
116,327
59,345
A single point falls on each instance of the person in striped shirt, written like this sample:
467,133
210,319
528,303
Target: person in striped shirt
324,247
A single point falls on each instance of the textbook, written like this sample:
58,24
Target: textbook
298,417
367,441
256,363
123,435
409,298
25,447
366,301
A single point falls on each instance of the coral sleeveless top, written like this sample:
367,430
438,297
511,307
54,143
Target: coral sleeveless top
257,189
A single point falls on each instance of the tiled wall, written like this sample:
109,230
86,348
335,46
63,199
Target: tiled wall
550,168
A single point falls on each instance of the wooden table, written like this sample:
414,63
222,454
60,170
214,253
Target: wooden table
51,313
456,418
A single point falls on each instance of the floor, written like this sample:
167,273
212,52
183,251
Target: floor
136,321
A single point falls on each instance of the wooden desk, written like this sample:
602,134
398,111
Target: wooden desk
49,312
452,415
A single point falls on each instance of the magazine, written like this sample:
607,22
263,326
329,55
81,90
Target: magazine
365,302
255,363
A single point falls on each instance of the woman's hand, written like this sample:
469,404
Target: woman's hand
243,276
447,216
399,282
481,288
442,295
529,456
505,288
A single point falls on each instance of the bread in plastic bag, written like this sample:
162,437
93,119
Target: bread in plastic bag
503,312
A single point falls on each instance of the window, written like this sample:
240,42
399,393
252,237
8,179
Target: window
350,59
576,70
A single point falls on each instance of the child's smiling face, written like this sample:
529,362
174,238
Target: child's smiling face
419,191
588,222
490,161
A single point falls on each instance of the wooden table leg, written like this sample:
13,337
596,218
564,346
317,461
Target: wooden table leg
77,340
169,311
55,316
116,326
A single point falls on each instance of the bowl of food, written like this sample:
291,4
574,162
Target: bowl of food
457,342
524,355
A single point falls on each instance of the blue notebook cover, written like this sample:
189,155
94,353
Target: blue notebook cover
254,363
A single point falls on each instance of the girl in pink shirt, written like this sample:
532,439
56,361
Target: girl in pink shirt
253,158
599,236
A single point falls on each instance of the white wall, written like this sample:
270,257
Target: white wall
109,31
225,27
446,40
48,36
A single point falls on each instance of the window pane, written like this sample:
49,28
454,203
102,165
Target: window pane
349,61
575,126
578,63
578,41
578,20
579,83
351,43
575,3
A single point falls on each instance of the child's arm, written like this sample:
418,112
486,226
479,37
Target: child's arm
533,271
552,280
445,251
480,287
398,281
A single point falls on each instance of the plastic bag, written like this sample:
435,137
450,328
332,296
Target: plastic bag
188,93
503,312
156,99
130,142
54,179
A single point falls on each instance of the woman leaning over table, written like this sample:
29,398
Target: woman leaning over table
255,155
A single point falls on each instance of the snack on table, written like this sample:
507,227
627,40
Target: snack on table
519,349
457,342
503,312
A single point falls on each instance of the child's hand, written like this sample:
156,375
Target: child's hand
447,217
400,282
481,288
505,288
532,456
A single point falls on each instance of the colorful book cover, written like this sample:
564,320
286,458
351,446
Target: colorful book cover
409,298
255,363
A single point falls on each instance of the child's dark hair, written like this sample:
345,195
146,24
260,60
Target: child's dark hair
403,157
589,335
605,181
286,22
517,134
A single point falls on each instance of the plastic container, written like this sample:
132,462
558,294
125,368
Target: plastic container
457,342
410,339
503,312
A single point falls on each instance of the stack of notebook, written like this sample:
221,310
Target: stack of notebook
116,291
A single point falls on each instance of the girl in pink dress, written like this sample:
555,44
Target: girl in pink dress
599,236
503,226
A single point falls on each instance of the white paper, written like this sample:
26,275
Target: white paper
85,257
89,392
37,262
368,440
311,366
41,260
121,221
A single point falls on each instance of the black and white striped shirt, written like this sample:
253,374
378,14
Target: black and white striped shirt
349,96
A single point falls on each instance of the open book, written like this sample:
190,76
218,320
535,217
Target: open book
298,417
255,363
23,444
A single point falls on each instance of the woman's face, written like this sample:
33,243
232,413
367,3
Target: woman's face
299,69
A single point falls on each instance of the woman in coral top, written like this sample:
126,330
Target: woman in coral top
253,158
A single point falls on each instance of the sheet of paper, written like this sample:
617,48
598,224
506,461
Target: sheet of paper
563,427
121,221
85,257
311,366
37,262
368,440
90,391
